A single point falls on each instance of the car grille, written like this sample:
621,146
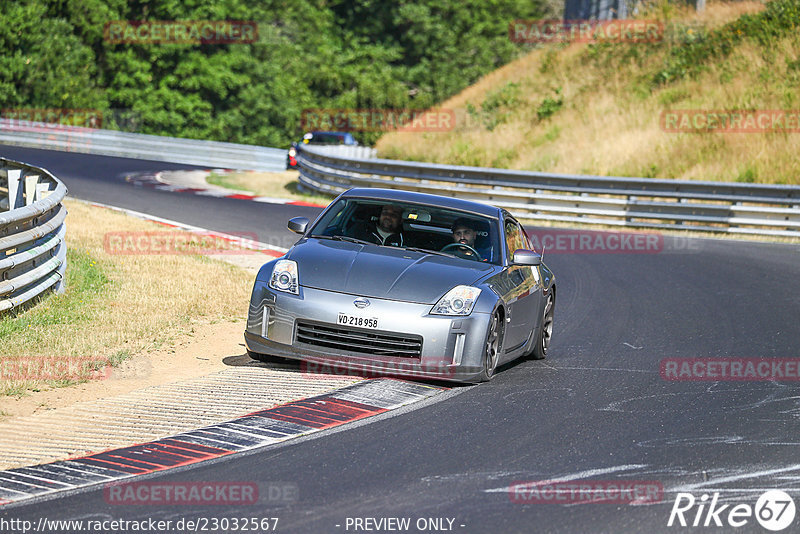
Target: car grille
350,340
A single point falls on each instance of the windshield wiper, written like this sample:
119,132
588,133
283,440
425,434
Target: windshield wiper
426,251
343,238
352,240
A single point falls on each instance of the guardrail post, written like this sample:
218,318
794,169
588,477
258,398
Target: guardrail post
14,190
42,190
31,181
61,254
4,200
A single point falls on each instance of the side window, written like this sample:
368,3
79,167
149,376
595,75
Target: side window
515,238
526,240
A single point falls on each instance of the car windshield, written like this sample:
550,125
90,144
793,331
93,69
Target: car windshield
412,226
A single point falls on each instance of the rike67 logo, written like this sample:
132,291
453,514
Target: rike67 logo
774,510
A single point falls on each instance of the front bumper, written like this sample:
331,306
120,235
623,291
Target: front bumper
452,347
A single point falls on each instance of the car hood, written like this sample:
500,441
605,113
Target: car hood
382,272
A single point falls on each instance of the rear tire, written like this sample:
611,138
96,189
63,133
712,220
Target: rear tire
546,331
491,350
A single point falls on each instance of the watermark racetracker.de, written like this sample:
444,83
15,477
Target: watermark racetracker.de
181,524
147,32
586,492
353,367
567,241
125,243
586,31
165,493
66,368
730,369
730,121
378,120
43,119
43,123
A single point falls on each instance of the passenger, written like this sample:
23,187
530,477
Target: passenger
388,231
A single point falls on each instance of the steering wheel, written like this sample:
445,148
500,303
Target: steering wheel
466,251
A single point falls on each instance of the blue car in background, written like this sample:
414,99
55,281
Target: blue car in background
319,138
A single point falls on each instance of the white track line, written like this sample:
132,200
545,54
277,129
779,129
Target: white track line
254,245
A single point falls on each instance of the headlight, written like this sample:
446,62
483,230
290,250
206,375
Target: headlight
292,152
284,276
458,301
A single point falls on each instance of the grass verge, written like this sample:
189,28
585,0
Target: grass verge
114,306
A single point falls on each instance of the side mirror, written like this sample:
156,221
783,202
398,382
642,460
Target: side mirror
527,257
298,225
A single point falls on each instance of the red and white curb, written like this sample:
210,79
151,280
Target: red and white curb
154,181
258,429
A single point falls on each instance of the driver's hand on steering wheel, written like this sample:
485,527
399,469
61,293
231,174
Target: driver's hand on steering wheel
462,250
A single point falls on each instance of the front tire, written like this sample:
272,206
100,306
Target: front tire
491,350
546,331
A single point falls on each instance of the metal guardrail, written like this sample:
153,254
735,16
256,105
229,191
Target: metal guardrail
141,146
33,254
346,151
757,209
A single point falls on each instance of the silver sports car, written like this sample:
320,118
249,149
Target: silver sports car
400,283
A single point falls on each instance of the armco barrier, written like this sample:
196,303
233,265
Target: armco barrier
757,209
140,146
346,151
33,254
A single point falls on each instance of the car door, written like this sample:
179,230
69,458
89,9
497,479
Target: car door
524,289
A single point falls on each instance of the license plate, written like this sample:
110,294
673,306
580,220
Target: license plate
357,320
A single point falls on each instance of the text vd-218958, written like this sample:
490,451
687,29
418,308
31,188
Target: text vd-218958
356,320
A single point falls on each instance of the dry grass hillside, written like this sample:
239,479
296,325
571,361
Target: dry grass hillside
595,109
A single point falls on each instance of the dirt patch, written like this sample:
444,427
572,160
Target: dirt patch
196,354
175,328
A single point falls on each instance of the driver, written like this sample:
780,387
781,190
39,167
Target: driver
464,233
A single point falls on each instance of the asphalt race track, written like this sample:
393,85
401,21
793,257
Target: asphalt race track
597,408
102,179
